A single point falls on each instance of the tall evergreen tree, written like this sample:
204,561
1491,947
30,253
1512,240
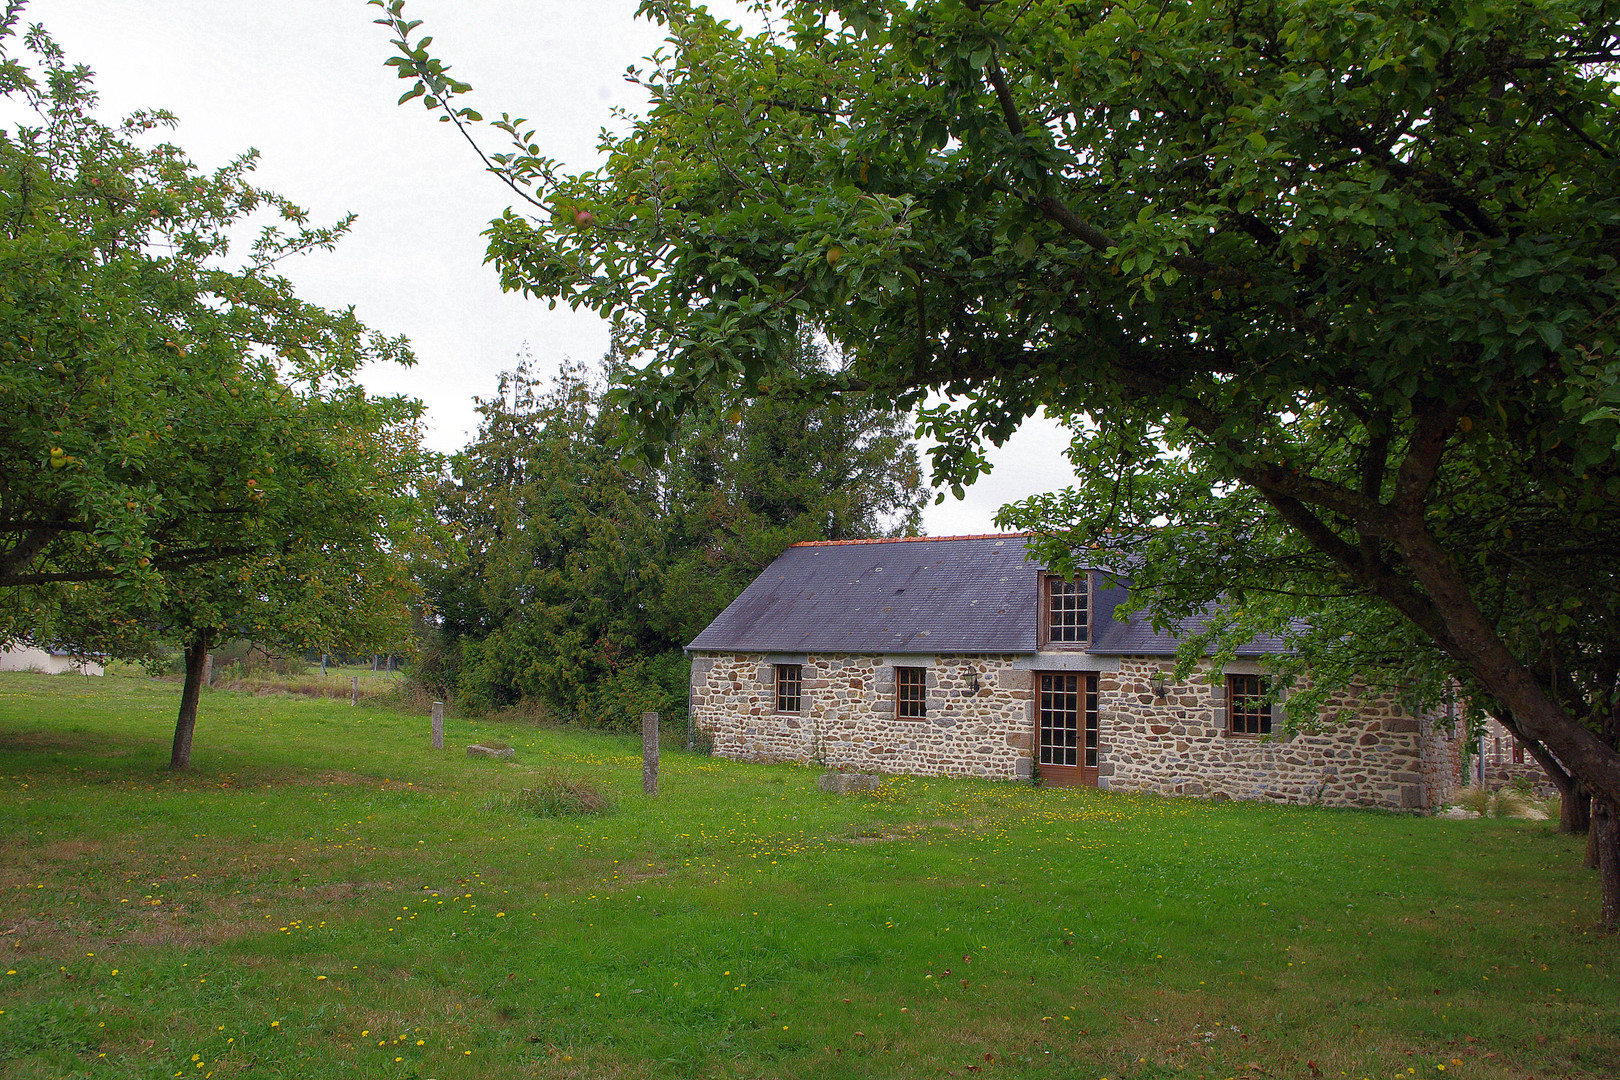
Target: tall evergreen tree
584,570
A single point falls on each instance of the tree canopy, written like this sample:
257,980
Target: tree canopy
1352,265
147,383
187,453
582,572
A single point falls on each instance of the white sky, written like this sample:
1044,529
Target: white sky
303,82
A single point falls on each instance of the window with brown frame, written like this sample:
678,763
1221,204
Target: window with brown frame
1247,712
1518,752
789,688
911,692
1067,611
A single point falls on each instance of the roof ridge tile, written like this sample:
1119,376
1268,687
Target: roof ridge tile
910,539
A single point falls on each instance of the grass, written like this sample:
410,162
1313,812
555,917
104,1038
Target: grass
323,895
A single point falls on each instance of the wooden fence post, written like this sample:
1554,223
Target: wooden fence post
354,689
438,725
208,669
649,753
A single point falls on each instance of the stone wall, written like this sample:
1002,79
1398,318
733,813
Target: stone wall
849,721
1375,755
1445,758
1174,742
1496,748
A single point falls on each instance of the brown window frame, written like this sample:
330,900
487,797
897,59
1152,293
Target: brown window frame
1255,689
911,693
1082,586
789,688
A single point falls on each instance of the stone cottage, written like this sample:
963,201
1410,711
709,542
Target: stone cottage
958,656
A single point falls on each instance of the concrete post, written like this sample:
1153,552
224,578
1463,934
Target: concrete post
208,670
649,753
438,725
354,689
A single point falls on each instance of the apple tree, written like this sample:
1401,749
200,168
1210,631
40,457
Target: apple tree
1344,273
186,451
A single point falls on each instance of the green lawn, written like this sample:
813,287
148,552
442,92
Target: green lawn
323,895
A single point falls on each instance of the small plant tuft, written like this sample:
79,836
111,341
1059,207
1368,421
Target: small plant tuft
1475,799
557,795
1511,803
702,742
1507,802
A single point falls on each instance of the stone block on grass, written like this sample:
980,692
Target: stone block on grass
505,753
847,783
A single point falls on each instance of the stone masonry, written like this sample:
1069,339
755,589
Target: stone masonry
1497,756
1367,750
1170,739
848,719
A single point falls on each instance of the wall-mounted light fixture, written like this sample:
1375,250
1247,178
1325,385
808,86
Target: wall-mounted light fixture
1160,683
973,682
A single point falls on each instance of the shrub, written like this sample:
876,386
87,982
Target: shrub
649,684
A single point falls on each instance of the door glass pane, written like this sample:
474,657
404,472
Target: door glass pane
1091,721
1060,719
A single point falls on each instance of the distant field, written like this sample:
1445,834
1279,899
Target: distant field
323,895
336,683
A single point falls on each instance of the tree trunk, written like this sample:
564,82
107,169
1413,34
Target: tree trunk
1575,811
1574,804
1438,601
196,657
1606,837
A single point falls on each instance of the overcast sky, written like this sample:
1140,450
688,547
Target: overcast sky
303,82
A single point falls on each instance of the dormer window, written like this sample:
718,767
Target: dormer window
1066,610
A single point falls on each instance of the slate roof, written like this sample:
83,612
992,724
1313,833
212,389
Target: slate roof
1135,636
952,594
973,594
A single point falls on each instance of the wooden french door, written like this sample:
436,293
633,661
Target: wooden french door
1068,721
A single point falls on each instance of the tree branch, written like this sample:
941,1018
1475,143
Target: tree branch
1073,224
1427,445
192,556
58,526
25,550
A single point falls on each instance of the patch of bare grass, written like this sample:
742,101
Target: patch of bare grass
66,742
